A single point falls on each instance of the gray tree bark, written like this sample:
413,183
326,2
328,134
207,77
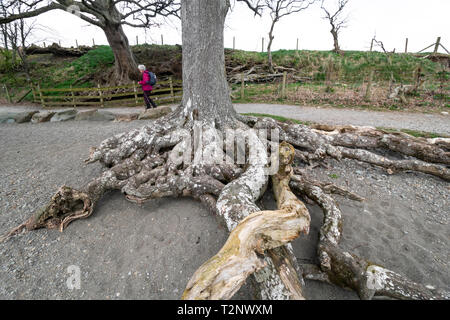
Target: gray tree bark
269,46
205,87
125,66
334,33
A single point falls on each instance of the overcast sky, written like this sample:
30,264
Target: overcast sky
390,20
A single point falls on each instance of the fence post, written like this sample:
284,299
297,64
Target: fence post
283,87
242,86
262,46
329,75
391,78
234,42
137,40
73,97
171,89
7,93
76,42
93,42
135,94
40,95
406,46
101,95
371,45
369,86
162,40
436,47
297,44
33,91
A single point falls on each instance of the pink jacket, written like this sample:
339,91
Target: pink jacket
145,82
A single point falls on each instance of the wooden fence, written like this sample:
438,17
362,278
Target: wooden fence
119,96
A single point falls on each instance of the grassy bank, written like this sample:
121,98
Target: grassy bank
414,133
351,66
334,80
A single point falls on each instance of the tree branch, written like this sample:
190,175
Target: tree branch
33,13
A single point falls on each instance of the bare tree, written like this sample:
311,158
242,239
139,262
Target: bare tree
17,34
336,20
110,16
277,10
184,154
4,29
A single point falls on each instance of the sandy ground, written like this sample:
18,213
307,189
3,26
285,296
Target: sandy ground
149,251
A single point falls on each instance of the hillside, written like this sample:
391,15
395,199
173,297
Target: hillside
314,77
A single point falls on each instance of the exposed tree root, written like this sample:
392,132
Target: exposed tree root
223,275
347,270
170,158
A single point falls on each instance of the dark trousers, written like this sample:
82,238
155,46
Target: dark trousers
148,101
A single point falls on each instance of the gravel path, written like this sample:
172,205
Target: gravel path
149,251
436,123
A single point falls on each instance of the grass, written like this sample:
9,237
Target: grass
414,133
352,66
351,70
95,60
278,118
343,95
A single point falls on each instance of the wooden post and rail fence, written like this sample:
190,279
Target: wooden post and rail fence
129,95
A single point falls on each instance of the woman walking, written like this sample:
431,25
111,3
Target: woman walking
146,87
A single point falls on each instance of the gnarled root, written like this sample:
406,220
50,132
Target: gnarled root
65,206
222,275
348,270
150,163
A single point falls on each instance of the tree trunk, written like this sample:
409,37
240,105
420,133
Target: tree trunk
337,49
204,66
206,99
5,36
125,63
269,47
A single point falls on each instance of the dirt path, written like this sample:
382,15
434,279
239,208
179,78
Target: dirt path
436,123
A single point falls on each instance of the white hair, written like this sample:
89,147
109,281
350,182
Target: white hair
141,67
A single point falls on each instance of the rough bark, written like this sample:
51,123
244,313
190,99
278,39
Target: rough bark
334,33
125,66
269,46
203,67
